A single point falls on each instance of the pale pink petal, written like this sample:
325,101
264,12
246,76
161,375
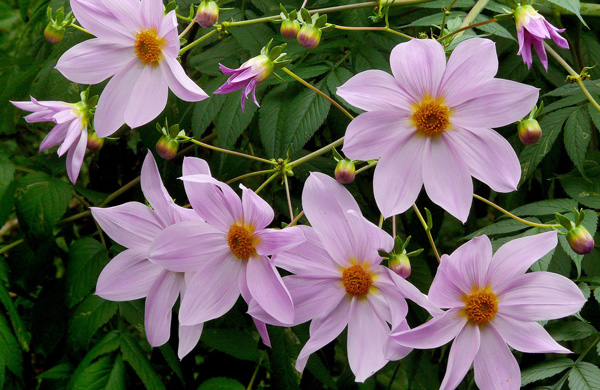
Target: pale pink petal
132,224
156,193
72,137
434,333
54,137
526,336
516,256
159,305
491,159
367,333
94,60
495,367
101,22
273,241
560,41
75,157
540,296
538,45
127,11
398,177
188,338
182,86
148,97
261,327
195,166
373,134
409,291
152,13
267,288
168,31
257,211
373,90
128,276
525,51
391,349
418,65
28,106
462,353
472,261
447,178
444,292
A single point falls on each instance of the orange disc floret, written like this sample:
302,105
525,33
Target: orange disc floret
356,280
241,241
148,47
431,117
481,306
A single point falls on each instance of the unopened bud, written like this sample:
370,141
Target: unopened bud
529,130
345,171
208,14
309,36
93,142
53,33
289,28
166,147
400,264
580,240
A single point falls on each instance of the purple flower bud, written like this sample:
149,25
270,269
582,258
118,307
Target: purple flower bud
289,28
529,131
93,142
208,14
400,264
580,240
345,171
309,36
166,147
54,34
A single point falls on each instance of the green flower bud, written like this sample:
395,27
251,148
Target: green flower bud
93,142
400,264
345,171
53,33
289,28
309,36
580,240
208,14
166,147
529,130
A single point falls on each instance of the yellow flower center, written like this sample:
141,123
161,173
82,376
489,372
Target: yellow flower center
480,306
431,117
148,47
241,241
356,280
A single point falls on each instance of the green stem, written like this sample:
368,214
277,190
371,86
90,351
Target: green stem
270,179
295,220
248,175
120,191
427,231
460,30
526,222
12,245
75,217
289,198
81,28
198,41
249,387
580,358
316,153
380,221
476,10
366,167
384,29
189,26
215,148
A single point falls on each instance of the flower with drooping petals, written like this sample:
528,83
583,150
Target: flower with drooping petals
340,282
71,130
130,275
228,254
431,123
137,46
532,29
247,77
492,303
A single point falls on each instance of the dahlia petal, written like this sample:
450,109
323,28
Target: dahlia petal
472,261
97,19
491,159
525,51
188,338
72,137
462,353
434,333
176,247
228,71
64,115
128,12
495,366
418,66
93,61
267,288
538,45
75,156
168,31
367,333
374,90
526,336
273,241
261,327
409,291
257,211
560,41
152,13
28,106
398,177
537,28
148,98
54,137
515,257
132,224
391,349
110,111
495,103
195,166
373,134
128,276
443,291
41,116
159,305
178,81
447,178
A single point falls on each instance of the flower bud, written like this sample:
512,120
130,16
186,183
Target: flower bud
93,142
529,131
208,14
261,65
309,36
289,28
345,171
53,33
580,240
166,147
400,264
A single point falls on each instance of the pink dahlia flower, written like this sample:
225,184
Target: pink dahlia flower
137,46
227,255
71,130
431,123
340,282
492,303
532,29
130,275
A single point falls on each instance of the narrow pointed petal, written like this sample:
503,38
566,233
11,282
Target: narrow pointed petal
443,291
375,90
152,13
75,156
182,86
156,193
168,31
471,261
97,19
434,333
538,45
256,210
409,291
261,327
72,136
54,137
159,305
495,366
195,166
526,336
148,97
273,241
462,353
267,288
188,338
394,351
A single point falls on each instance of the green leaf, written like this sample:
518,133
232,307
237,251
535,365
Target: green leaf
231,121
570,330
367,57
546,207
585,290
7,189
87,257
88,317
268,118
590,52
577,136
493,28
543,263
281,357
108,344
253,38
116,379
41,202
135,356
586,192
172,360
594,114
95,376
584,376
544,370
244,348
21,332
207,61
207,110
220,383
502,227
336,78
570,5
133,312
11,356
61,371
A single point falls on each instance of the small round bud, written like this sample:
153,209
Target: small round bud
580,240
208,14
93,142
53,33
289,28
529,130
400,264
309,36
166,147
345,171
